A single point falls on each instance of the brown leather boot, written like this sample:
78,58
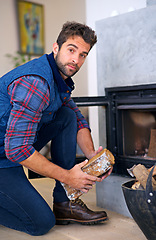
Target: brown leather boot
77,211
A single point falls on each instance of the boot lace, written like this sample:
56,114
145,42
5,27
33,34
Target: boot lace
78,201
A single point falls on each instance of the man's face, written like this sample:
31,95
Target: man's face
70,57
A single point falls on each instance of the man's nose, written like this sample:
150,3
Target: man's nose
75,59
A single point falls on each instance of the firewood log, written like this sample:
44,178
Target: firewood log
152,144
96,166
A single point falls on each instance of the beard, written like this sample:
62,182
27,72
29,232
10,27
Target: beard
63,68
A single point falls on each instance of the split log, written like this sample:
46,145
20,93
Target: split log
96,166
141,173
152,144
137,186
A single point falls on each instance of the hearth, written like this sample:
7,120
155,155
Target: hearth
130,124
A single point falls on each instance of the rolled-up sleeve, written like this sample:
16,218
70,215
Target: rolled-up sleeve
81,121
29,96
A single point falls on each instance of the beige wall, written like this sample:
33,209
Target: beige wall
55,14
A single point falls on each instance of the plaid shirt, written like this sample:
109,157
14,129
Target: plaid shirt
30,96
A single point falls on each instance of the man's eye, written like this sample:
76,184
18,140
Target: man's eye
83,56
71,50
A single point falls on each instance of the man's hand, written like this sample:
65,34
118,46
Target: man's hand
94,152
79,180
107,173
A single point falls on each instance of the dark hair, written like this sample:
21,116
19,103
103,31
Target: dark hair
70,29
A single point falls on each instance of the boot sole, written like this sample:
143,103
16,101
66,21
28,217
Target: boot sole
89,222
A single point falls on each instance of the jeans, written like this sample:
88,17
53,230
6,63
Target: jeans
21,206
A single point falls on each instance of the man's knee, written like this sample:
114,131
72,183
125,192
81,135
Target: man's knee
42,225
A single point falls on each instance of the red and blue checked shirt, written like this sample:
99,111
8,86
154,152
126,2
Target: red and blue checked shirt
26,114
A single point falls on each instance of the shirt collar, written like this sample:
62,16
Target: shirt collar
63,85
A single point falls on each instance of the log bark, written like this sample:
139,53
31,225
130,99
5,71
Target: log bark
96,166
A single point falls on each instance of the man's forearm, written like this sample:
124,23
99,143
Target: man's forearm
39,164
74,177
85,142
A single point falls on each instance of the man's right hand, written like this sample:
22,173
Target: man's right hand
80,180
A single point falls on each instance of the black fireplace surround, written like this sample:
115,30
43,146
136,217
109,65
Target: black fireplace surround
130,117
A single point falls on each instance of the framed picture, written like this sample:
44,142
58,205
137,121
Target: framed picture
31,27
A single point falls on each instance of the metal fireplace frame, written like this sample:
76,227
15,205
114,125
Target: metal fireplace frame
115,100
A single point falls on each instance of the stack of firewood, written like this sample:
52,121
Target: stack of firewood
141,173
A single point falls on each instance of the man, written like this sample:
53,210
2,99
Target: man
36,108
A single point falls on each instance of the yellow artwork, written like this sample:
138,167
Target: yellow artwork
31,29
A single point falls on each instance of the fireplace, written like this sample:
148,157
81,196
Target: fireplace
130,124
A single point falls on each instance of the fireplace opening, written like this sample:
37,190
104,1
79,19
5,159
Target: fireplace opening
132,126
138,133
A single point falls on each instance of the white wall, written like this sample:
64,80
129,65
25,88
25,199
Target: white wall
97,10
55,14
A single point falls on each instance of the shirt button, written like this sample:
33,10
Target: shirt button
67,91
50,113
64,98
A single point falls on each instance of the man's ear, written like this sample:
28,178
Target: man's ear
55,48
